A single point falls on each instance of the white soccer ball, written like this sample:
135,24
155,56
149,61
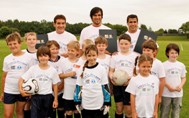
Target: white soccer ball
31,86
120,77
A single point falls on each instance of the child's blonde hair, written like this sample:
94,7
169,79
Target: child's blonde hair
87,42
74,44
29,34
13,37
101,40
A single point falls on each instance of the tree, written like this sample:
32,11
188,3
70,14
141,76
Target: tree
142,26
160,32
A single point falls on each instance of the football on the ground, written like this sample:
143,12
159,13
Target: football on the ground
120,77
31,86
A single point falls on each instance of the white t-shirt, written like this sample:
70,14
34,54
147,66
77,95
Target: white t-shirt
124,62
157,68
105,62
70,82
134,38
62,39
15,66
92,81
90,32
145,89
45,78
174,72
34,56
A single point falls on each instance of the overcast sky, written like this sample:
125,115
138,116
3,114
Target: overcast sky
166,14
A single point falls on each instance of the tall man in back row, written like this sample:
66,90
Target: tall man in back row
92,31
133,30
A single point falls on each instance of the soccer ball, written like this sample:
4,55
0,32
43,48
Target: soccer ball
31,86
120,77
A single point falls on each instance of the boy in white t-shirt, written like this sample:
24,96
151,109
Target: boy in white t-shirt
47,79
14,65
61,35
174,81
144,89
56,61
124,60
149,47
103,59
68,73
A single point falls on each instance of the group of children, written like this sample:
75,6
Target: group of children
79,84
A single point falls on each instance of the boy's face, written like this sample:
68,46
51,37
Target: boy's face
132,25
31,41
54,51
97,19
124,45
101,48
43,59
72,53
14,46
173,55
60,25
148,52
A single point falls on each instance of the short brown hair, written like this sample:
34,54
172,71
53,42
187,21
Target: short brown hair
43,50
150,44
132,16
13,37
52,42
170,47
125,37
59,16
96,10
101,40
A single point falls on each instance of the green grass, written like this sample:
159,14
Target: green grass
162,41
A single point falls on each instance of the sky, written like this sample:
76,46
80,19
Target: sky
166,14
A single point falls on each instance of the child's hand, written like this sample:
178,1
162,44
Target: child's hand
155,115
79,108
24,93
171,89
178,88
112,80
55,104
106,110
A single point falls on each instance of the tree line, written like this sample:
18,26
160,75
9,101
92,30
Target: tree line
43,27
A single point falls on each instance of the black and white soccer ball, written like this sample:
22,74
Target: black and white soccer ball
31,86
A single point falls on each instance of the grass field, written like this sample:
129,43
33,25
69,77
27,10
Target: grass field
162,41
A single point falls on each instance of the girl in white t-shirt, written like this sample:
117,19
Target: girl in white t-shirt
144,90
92,86
47,78
175,79
68,74
56,61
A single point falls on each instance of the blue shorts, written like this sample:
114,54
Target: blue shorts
12,98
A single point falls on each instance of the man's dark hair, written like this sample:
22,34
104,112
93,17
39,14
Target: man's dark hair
95,10
132,16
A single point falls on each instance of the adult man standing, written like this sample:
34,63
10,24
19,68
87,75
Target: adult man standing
92,31
133,30
60,34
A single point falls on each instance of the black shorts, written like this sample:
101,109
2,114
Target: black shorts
12,98
60,101
120,95
69,105
41,106
92,113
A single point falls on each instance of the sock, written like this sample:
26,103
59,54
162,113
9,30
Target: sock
61,113
118,115
77,115
27,113
54,113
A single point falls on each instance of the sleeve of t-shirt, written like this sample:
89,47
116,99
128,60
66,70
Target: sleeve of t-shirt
161,71
28,74
131,88
5,66
104,76
55,77
81,39
184,71
112,62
